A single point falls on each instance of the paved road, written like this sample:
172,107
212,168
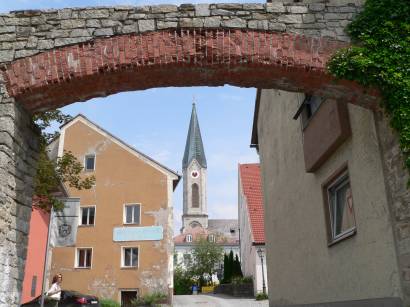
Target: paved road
216,301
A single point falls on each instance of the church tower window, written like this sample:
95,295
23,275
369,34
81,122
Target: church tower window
195,196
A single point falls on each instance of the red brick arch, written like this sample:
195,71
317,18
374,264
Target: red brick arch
182,57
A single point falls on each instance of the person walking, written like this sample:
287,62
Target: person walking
54,293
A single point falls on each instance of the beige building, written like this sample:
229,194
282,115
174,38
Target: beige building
124,241
327,213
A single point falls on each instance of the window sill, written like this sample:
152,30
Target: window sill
343,237
82,268
131,224
129,268
86,226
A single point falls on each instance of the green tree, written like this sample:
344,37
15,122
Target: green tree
237,271
231,266
205,256
228,269
226,264
52,173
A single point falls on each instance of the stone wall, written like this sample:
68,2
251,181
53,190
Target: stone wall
57,57
18,155
25,33
236,290
398,193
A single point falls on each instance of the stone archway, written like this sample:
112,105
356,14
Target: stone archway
56,57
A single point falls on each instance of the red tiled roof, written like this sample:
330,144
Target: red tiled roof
250,179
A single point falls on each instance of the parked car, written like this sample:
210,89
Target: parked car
68,299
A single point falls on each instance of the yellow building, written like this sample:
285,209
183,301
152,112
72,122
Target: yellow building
124,241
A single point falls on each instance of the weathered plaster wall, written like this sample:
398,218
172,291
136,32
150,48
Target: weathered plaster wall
248,257
18,155
121,178
398,195
258,286
250,261
36,251
302,268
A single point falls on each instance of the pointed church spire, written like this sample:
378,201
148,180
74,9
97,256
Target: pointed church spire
194,149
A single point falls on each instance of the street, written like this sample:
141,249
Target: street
216,300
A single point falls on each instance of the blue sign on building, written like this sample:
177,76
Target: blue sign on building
148,233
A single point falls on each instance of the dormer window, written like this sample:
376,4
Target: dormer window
188,238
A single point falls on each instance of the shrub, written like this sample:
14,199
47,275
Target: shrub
247,279
109,303
261,296
238,280
151,299
182,282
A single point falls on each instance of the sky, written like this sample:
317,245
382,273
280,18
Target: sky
156,121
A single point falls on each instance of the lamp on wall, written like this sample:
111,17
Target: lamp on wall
260,254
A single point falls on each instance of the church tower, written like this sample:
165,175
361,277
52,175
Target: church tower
194,177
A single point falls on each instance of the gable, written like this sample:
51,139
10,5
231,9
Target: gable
99,139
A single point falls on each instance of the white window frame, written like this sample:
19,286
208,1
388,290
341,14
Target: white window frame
123,254
85,162
188,238
211,238
124,215
80,220
339,177
76,258
339,182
